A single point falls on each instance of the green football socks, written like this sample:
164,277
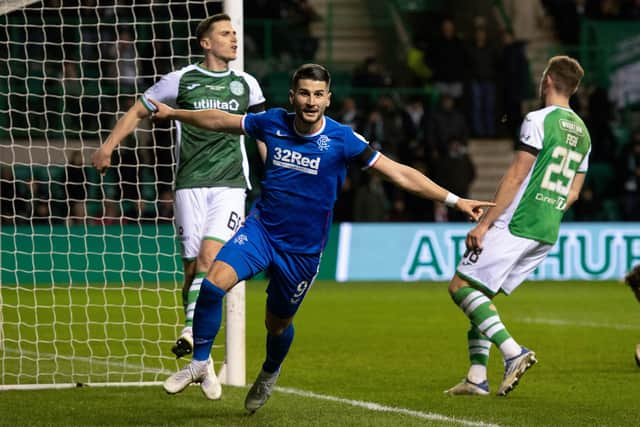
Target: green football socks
484,315
192,297
479,347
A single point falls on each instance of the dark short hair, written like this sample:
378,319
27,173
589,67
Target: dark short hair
203,27
315,72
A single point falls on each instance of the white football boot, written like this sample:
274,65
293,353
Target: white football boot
515,368
210,384
466,387
195,372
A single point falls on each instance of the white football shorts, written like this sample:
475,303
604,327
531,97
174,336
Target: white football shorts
207,213
504,262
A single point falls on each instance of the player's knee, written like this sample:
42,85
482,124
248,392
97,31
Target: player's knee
215,274
202,266
276,330
275,325
222,275
204,262
456,284
208,252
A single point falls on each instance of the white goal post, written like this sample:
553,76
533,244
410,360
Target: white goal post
90,287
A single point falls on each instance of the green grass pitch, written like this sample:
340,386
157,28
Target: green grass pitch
365,354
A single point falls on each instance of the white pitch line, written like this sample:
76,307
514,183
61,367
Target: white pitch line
586,324
371,406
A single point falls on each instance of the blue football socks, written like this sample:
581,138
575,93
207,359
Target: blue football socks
206,319
277,349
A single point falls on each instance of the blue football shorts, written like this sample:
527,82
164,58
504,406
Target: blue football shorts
250,251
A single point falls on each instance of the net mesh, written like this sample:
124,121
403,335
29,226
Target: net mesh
90,266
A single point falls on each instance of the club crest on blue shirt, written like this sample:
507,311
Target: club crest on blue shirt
323,142
240,239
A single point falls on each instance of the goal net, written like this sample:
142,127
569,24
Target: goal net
90,268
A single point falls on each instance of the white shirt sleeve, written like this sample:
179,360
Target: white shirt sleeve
531,132
165,90
584,165
255,91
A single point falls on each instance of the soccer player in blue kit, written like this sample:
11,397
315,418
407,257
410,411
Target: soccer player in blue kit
306,156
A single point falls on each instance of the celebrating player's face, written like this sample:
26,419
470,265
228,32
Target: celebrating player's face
309,99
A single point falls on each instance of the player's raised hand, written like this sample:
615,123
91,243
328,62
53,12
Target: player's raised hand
473,208
163,111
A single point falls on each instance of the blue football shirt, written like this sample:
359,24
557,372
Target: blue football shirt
303,176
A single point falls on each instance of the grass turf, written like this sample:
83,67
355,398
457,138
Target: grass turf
395,344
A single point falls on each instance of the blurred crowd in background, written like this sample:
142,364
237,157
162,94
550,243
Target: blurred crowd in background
473,85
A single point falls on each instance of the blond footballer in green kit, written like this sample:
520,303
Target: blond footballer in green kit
514,237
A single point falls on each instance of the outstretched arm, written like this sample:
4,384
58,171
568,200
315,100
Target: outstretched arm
217,120
507,189
412,180
101,158
262,147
